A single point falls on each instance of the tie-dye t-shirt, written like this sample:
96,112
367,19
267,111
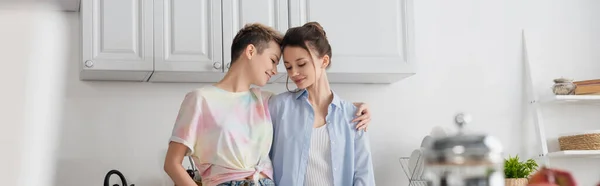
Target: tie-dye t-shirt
228,134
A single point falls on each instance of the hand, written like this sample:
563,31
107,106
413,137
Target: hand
363,116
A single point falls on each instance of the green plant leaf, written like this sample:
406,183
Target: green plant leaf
514,168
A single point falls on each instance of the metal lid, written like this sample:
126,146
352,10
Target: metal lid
464,149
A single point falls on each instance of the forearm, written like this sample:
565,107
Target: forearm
179,175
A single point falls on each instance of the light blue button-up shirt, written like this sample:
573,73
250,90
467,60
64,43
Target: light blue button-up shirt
293,119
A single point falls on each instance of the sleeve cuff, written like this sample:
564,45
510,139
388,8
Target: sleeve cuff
189,145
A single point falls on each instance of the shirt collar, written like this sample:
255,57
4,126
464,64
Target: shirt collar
303,93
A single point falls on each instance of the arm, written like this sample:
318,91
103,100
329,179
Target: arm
363,116
173,166
271,106
363,165
273,113
183,140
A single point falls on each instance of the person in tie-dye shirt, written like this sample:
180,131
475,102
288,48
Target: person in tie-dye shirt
226,127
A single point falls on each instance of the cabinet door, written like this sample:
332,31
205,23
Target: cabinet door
188,41
116,39
237,13
370,40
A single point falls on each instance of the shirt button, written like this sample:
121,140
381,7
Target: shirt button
334,169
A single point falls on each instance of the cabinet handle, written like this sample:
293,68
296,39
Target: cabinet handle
217,65
228,65
89,63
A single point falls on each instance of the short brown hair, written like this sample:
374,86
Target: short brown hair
310,35
257,34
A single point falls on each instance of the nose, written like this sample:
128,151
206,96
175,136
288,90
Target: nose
293,72
274,71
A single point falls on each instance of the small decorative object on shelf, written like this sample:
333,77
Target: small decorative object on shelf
589,140
587,87
517,172
118,173
551,177
564,86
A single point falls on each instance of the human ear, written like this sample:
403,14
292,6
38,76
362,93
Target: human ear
250,51
325,61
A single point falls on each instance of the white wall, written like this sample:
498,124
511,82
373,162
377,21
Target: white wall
469,59
34,57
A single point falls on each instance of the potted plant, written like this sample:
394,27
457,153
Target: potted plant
517,172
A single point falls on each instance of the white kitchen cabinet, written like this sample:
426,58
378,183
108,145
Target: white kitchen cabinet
190,40
237,13
371,41
187,41
116,40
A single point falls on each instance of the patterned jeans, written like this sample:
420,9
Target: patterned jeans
261,182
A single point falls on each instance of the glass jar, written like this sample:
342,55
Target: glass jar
464,159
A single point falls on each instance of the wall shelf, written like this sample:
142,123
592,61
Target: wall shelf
575,154
536,102
572,99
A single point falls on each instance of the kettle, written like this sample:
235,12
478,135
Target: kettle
118,173
464,159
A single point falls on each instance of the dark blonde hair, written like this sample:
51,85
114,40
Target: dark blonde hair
256,34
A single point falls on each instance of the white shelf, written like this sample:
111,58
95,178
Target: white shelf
574,99
575,154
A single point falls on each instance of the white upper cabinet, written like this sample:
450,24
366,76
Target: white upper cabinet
237,13
187,41
116,40
190,40
371,40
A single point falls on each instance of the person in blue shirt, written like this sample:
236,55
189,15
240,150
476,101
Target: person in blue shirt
315,142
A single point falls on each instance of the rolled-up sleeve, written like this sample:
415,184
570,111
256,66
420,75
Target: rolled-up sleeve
188,122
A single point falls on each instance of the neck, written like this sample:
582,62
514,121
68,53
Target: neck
236,79
320,92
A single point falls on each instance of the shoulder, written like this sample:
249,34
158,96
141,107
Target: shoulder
349,113
202,91
198,94
282,97
348,108
264,95
278,101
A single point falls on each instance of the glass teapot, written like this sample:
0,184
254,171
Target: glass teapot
464,159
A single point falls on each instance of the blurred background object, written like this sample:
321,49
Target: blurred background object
33,50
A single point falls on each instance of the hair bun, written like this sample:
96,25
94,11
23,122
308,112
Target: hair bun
317,27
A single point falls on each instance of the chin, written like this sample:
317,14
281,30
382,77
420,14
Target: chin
261,83
301,86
